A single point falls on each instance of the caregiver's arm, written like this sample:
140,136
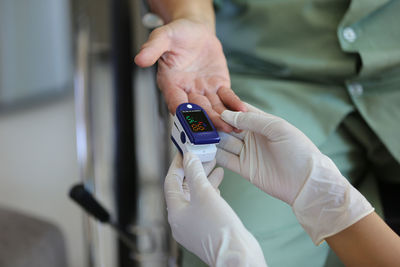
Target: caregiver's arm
368,242
280,160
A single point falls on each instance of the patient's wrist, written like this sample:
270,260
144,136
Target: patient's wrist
201,11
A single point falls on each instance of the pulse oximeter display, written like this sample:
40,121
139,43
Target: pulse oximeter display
193,131
197,121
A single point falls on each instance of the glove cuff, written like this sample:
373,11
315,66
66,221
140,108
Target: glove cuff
328,203
236,247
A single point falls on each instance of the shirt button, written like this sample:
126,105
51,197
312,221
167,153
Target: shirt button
356,89
349,34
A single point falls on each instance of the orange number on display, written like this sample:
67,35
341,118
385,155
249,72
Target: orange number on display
197,127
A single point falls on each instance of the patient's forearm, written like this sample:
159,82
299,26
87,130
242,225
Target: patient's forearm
369,242
198,10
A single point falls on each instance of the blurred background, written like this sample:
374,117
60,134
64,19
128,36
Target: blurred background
75,109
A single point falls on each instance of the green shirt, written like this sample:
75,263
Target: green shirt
315,61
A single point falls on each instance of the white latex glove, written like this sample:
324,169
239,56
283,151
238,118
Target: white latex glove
202,221
280,160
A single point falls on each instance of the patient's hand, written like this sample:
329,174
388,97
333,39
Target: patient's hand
191,68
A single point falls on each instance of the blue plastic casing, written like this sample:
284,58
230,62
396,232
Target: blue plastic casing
199,138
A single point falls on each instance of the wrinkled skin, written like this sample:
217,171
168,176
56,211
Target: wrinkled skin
191,68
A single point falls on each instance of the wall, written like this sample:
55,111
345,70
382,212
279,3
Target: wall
38,166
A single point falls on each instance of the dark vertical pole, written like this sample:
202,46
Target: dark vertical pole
125,162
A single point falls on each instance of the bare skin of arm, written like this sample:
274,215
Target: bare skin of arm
191,64
198,10
369,242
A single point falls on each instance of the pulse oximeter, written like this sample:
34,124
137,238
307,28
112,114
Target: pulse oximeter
193,131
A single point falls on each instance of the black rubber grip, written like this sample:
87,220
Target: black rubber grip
79,194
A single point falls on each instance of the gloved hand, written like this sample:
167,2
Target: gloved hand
280,160
202,221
